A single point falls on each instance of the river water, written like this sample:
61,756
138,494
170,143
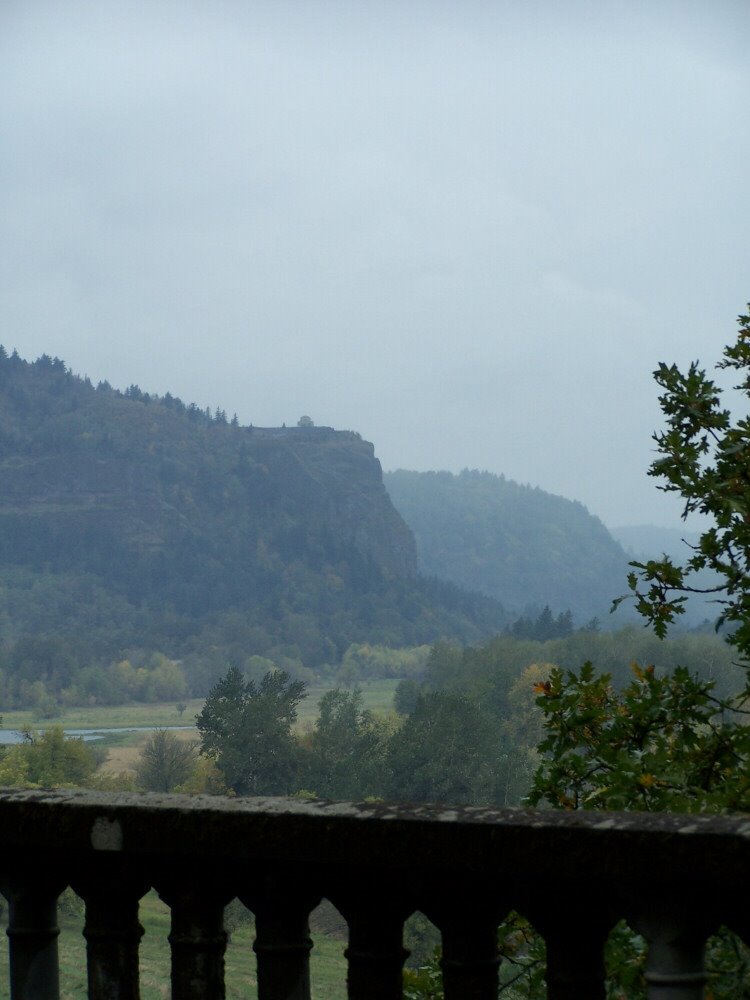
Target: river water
10,736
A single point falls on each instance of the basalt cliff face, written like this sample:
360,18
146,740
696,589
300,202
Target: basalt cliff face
173,513
333,480
313,494
88,476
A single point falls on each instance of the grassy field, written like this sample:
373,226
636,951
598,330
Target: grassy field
377,696
328,966
123,749
109,716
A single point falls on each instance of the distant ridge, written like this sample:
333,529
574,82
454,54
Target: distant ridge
523,546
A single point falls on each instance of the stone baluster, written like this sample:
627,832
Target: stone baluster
33,932
375,953
575,926
197,937
112,891
468,917
674,969
470,959
676,937
282,936
737,920
376,957
283,945
575,962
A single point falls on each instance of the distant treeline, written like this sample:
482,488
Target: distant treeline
466,729
488,672
45,673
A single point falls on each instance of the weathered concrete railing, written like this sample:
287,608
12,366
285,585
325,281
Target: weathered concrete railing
675,879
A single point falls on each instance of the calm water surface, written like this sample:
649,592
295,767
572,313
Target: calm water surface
9,736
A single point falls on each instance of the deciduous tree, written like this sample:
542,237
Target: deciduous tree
247,729
705,458
665,741
347,748
165,762
448,750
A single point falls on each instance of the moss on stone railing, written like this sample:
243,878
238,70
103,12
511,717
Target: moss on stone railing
574,875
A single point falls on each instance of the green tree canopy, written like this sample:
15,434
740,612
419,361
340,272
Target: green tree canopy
48,760
346,748
247,729
705,458
448,750
659,744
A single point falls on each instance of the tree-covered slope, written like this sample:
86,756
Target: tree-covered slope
516,543
134,520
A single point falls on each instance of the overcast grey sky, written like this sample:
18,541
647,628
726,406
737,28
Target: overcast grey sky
468,231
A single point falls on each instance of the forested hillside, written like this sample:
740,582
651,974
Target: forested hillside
131,521
516,543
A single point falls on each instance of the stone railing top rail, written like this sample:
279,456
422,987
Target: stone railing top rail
495,842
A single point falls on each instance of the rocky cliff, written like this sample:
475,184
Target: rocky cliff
334,480
283,489
174,514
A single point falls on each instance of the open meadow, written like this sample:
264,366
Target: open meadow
377,696
124,747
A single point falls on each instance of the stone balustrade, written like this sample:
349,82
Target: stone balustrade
574,875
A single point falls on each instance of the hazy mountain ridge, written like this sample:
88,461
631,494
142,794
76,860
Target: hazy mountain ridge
172,517
519,544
